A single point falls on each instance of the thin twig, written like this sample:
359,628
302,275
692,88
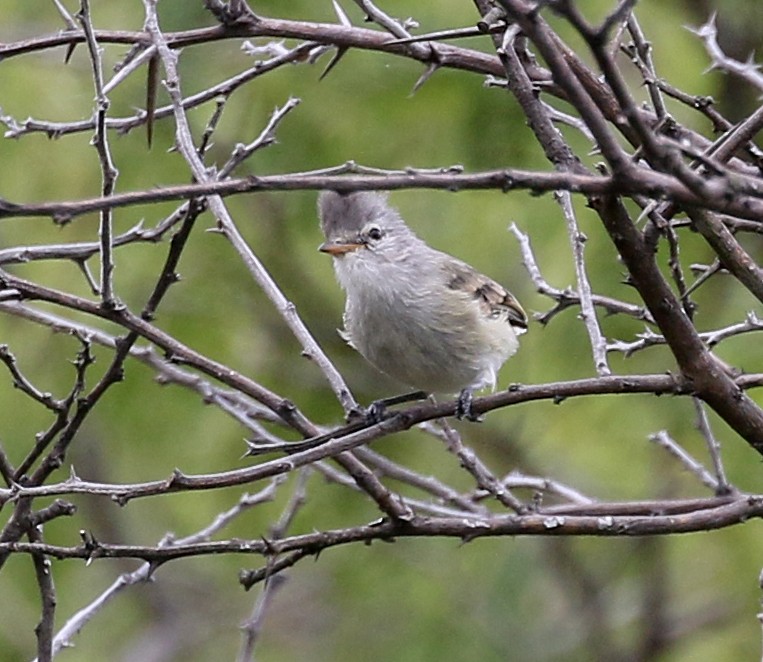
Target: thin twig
43,573
25,385
587,310
477,468
252,627
644,51
101,143
708,33
663,439
267,137
566,298
713,448
146,572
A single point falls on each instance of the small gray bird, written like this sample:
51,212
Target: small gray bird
417,314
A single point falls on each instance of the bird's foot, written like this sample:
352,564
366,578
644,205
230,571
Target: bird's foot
377,410
371,415
464,407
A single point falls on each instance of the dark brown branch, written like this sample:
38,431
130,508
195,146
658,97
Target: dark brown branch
714,514
324,33
639,182
707,375
352,436
45,628
732,256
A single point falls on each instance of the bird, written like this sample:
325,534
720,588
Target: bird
417,314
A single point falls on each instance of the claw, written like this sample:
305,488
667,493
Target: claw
377,410
356,415
375,413
464,407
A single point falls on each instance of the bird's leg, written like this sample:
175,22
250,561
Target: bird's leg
464,407
378,408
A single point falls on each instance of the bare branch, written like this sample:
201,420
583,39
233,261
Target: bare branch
709,515
587,311
474,465
44,629
146,572
662,438
708,33
566,298
101,144
714,449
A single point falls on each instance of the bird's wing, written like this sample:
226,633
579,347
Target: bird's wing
492,296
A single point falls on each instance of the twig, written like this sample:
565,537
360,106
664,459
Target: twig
124,125
663,439
266,138
145,572
228,227
252,627
101,144
645,182
7,470
649,338
206,138
516,480
738,136
420,506
731,253
568,119
751,323
713,448
644,51
65,15
23,384
136,60
428,484
474,465
79,252
708,33
587,311
44,629
393,26
675,269
567,298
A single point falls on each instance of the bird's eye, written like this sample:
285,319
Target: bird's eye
374,232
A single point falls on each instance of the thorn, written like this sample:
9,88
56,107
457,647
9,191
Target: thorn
69,51
431,68
151,91
340,51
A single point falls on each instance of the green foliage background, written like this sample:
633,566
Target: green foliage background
507,599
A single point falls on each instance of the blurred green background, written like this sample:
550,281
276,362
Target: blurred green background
502,599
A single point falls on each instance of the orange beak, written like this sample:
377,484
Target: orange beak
339,247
